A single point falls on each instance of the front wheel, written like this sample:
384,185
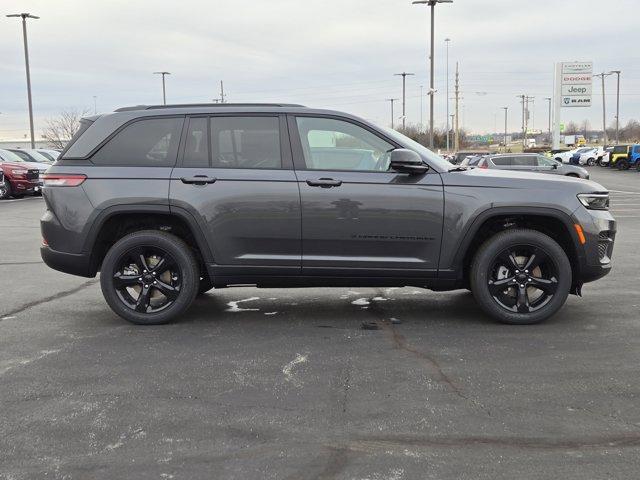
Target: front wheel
591,162
149,277
622,165
520,277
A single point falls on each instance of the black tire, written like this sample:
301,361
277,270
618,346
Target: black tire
5,189
181,284
556,264
591,162
622,164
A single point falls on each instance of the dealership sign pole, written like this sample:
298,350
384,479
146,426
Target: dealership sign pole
573,88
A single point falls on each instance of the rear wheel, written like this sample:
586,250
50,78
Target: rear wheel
5,189
520,277
622,164
149,277
591,162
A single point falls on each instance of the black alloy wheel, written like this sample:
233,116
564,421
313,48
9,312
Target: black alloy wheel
523,279
149,277
520,276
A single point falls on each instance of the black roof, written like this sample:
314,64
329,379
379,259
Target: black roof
207,105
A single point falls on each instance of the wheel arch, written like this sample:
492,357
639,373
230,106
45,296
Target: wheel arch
555,223
114,222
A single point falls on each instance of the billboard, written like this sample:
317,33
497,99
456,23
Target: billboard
576,84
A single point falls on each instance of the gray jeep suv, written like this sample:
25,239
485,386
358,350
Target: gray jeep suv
170,201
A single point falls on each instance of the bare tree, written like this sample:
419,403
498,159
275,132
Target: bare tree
59,130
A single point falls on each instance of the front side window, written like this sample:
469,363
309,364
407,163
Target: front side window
330,144
246,142
151,142
546,162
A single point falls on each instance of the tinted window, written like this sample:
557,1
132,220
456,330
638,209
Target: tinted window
245,142
546,162
501,161
330,144
196,150
524,161
22,155
150,143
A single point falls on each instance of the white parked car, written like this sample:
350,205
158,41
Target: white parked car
590,157
50,154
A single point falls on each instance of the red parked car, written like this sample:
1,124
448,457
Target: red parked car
20,177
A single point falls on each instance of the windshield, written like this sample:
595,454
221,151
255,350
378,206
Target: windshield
7,156
433,158
38,157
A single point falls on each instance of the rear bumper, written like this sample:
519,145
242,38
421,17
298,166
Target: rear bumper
72,263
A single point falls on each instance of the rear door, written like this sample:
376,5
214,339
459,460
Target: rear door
235,178
358,217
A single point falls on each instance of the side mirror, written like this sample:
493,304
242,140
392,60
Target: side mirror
407,161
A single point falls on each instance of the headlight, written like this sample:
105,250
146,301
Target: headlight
595,201
18,173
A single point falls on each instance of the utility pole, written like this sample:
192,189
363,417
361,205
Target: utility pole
404,98
164,90
447,41
431,4
522,101
392,100
421,122
456,138
95,106
548,99
528,100
604,107
617,72
222,92
506,109
24,17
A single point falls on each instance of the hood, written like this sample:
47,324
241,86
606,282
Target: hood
26,165
478,177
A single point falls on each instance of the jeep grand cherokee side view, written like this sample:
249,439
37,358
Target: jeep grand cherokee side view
171,201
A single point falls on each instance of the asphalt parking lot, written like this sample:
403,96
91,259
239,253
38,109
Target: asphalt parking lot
285,384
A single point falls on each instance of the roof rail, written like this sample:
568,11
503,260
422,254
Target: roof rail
206,105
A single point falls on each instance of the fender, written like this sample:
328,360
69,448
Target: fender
456,267
103,215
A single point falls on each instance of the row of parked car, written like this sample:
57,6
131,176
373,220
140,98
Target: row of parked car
21,171
622,157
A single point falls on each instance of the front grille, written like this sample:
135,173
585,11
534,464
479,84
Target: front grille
33,174
605,246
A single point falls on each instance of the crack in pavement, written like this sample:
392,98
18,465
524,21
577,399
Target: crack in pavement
621,440
51,298
401,343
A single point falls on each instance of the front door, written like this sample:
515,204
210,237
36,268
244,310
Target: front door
358,217
236,179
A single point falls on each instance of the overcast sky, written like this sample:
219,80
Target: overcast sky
323,53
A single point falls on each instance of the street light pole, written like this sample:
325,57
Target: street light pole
617,72
404,98
604,108
505,127
447,41
421,120
24,17
548,99
431,4
164,91
391,100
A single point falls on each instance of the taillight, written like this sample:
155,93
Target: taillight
63,179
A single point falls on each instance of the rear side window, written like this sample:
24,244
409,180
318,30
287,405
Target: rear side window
84,124
245,142
151,142
502,161
196,150
524,161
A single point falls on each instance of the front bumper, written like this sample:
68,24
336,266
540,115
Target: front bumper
72,263
600,232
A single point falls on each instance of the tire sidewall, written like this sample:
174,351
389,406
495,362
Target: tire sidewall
486,255
186,264
6,189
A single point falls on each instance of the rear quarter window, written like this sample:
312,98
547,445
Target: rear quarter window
151,142
501,161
